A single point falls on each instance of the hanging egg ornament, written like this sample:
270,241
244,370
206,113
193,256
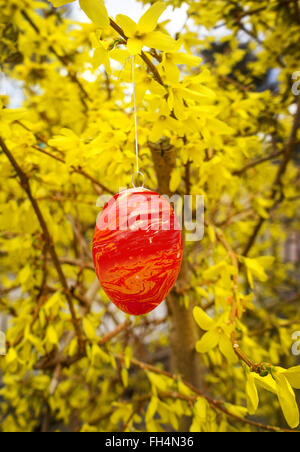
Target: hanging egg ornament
137,250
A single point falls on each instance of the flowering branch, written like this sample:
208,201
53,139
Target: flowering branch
48,239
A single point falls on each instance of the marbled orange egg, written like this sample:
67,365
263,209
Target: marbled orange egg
137,250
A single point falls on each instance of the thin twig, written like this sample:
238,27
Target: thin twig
257,162
215,404
143,55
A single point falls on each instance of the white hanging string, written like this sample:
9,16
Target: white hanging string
136,127
135,115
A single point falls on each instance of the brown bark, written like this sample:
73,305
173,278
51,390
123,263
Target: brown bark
184,334
184,331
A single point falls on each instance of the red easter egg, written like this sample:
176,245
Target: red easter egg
137,250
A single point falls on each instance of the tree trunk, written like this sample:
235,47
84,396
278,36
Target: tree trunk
184,335
184,331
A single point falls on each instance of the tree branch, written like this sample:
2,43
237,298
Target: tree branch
75,169
152,68
46,363
63,59
288,153
48,239
215,404
257,162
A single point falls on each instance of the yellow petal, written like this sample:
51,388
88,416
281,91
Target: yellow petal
197,95
204,91
175,179
160,41
148,21
13,114
101,57
200,408
172,72
11,356
287,400
120,55
140,92
129,27
220,126
252,395
157,89
266,382
52,335
58,3
208,342
186,58
134,46
266,261
203,320
226,349
293,376
94,40
96,11
124,375
179,107
256,269
240,411
157,130
89,329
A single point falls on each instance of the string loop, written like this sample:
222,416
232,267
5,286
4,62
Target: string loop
133,177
